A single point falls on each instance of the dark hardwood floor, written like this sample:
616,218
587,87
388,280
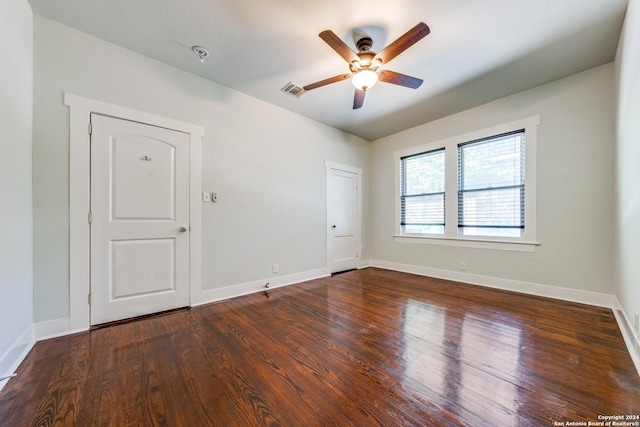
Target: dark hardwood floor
363,348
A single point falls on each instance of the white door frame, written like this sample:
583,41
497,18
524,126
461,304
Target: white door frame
80,110
329,166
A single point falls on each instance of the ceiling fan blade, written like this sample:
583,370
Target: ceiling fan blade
338,45
399,79
358,99
325,82
403,42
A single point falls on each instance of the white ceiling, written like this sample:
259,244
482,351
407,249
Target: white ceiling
478,50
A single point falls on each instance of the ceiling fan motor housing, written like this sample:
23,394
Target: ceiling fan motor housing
364,44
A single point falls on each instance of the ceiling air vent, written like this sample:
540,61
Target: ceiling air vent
292,89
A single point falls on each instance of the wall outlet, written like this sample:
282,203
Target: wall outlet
274,268
463,266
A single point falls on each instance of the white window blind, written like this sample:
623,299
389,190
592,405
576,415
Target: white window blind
491,186
422,195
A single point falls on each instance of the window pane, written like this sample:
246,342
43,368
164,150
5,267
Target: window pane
424,173
491,232
424,210
492,212
491,186
422,193
423,229
492,163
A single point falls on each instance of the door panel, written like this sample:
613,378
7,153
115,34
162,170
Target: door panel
343,216
140,214
143,171
141,267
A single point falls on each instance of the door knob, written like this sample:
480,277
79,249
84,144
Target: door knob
182,229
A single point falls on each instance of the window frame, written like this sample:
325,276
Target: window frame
451,237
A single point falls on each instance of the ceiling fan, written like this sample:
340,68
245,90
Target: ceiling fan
365,63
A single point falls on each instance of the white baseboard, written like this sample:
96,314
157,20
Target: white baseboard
630,338
565,294
51,328
206,296
364,263
54,328
12,358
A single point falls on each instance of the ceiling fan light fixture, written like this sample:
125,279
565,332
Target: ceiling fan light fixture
364,79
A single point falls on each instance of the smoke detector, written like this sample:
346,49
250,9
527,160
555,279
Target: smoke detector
200,52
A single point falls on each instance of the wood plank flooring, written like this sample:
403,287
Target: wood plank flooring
364,348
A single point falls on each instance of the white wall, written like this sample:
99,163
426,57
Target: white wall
627,249
16,212
575,181
266,164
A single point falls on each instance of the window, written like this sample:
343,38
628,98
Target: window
476,189
422,194
491,186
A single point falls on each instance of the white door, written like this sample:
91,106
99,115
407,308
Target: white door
139,219
343,232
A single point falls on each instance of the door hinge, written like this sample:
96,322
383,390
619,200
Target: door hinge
89,299
90,217
90,129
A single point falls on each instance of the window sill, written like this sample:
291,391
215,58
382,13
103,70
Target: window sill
501,245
